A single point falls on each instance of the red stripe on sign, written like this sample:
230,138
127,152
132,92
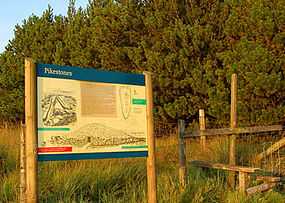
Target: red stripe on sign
54,149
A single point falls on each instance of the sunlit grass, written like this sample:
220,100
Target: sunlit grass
124,180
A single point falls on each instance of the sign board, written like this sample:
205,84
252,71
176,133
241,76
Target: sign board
85,113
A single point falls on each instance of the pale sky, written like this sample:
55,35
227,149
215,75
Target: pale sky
13,12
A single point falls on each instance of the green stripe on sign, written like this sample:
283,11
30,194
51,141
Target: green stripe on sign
139,101
53,129
133,146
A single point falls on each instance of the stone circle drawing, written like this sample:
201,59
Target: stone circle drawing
58,110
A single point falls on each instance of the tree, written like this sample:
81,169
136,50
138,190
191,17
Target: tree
191,47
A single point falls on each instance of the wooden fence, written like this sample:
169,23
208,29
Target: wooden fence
231,132
243,172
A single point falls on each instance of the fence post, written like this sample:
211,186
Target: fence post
232,152
202,122
31,130
181,153
242,177
22,165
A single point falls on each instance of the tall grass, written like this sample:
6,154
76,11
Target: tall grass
124,180
9,159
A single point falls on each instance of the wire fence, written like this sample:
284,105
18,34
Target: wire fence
253,149
262,150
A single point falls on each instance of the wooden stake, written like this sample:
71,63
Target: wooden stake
151,172
22,166
31,130
234,101
243,177
232,152
202,122
182,156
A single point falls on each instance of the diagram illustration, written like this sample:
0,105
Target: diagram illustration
95,135
58,110
125,101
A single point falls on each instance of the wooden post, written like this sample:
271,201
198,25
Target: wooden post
31,130
182,157
151,171
22,165
234,101
232,152
202,122
242,177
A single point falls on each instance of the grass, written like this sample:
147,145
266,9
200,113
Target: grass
124,180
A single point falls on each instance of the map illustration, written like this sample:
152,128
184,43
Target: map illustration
125,100
58,110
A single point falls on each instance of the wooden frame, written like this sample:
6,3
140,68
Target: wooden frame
31,137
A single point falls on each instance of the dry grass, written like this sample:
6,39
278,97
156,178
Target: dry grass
124,180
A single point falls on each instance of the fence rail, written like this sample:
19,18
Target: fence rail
229,131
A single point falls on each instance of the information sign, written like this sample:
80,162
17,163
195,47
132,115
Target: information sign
85,113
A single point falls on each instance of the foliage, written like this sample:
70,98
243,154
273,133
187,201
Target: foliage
191,47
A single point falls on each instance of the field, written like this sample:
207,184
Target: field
124,180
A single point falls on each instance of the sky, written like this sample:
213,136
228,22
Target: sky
13,12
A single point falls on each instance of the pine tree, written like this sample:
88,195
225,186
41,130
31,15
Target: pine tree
191,47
